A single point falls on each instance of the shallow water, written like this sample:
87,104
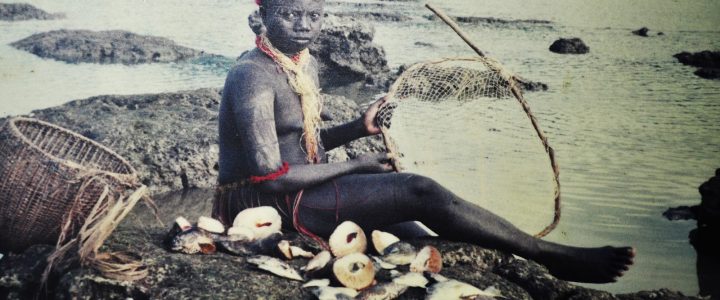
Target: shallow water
634,131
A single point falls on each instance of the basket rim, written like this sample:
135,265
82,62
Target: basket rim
16,131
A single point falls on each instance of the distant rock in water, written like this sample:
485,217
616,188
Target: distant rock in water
23,11
107,47
532,86
347,54
496,22
708,62
373,16
569,46
641,32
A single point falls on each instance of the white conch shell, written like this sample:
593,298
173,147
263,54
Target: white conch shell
354,270
262,220
383,239
240,234
347,238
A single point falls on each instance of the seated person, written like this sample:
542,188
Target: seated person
272,152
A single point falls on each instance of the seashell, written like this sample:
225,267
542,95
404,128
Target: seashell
382,291
347,238
183,223
240,234
334,293
262,220
354,270
210,225
428,259
383,239
317,283
300,252
284,248
275,266
399,253
454,289
412,279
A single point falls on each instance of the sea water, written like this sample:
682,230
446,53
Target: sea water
634,131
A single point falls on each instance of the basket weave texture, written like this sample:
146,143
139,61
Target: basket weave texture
49,174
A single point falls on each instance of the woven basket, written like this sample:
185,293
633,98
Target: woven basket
48,174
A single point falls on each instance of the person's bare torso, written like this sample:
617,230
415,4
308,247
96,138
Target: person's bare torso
285,109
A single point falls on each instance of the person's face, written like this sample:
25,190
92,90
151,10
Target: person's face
292,25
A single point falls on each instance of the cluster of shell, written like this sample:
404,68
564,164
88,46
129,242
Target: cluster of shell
344,272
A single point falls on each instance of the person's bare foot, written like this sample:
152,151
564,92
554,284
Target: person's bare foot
591,265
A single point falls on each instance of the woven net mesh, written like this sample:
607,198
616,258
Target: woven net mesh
451,119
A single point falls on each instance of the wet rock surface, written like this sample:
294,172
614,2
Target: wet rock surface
569,46
23,11
107,47
707,61
171,138
641,32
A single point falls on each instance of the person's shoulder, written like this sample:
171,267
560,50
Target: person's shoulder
251,66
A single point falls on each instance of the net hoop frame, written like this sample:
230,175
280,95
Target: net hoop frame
512,80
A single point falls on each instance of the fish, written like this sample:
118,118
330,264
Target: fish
399,253
210,225
275,266
319,266
382,291
334,293
192,241
454,289
380,264
317,283
412,279
243,247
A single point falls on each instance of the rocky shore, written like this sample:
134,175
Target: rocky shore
23,11
171,138
107,47
707,62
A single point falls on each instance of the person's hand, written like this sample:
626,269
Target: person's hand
373,163
371,127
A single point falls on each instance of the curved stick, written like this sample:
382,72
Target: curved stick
518,95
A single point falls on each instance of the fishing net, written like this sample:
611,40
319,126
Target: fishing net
451,119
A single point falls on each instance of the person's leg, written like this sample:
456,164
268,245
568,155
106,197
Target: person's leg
375,201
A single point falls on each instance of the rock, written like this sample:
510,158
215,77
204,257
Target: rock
569,46
495,22
532,86
708,73
708,62
20,273
641,32
23,11
664,294
170,138
702,59
347,54
424,44
108,47
373,16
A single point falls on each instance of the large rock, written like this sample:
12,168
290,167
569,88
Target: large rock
171,138
23,11
114,46
708,63
569,46
347,54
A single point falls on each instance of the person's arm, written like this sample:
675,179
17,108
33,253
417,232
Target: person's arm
254,114
364,126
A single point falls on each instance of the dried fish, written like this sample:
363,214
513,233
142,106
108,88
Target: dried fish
275,266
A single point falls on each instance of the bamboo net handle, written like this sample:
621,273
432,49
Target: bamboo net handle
519,96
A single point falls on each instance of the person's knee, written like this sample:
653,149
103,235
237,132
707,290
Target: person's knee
422,186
